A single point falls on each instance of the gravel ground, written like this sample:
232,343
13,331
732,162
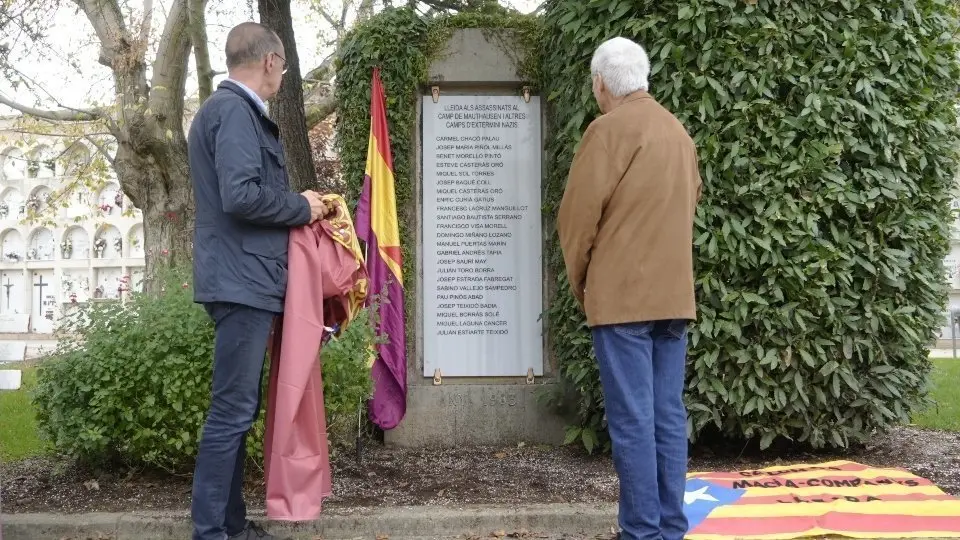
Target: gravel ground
391,476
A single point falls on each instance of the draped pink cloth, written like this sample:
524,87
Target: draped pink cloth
322,272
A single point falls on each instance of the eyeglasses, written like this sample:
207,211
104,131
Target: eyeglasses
284,63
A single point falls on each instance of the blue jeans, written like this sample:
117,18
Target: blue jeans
239,351
642,368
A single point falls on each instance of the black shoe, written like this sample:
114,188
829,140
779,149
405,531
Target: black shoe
255,532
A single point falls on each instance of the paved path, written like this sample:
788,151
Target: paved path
542,522
552,522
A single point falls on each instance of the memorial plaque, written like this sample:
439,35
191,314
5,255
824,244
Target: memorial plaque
482,244
13,351
10,379
14,323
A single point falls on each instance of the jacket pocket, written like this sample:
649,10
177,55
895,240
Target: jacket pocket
634,329
267,243
275,165
677,328
275,156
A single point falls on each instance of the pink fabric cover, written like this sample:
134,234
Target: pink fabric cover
321,273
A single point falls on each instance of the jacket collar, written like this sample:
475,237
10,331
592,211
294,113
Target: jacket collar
231,86
636,96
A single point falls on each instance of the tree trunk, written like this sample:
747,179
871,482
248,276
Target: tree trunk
286,108
166,199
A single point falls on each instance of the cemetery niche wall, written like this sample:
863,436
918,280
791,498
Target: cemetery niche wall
61,237
466,131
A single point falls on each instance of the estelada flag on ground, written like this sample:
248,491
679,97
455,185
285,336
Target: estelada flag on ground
835,498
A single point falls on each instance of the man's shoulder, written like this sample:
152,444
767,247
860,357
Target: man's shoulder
219,102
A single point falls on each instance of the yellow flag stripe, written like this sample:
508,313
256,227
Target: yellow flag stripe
815,467
893,474
818,532
913,508
800,468
383,205
876,491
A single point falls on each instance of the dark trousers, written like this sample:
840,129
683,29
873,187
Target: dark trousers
240,347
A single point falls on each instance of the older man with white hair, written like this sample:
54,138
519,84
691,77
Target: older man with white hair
626,229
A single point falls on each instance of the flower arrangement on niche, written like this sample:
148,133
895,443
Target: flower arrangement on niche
106,208
118,199
12,256
66,249
123,286
98,246
118,244
4,210
32,254
33,203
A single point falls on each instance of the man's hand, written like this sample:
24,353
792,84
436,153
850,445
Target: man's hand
318,210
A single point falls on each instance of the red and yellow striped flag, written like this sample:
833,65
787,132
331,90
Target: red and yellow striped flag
378,226
834,498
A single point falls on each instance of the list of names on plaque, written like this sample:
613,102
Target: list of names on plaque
482,246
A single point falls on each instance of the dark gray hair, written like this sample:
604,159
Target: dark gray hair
249,42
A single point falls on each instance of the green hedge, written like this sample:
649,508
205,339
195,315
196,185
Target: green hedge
132,382
827,132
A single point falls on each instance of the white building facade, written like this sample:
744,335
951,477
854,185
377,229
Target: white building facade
67,236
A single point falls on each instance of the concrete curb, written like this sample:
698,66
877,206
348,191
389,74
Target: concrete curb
395,522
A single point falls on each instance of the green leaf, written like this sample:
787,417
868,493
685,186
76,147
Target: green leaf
573,433
589,440
767,439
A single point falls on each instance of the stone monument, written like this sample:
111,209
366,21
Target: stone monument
479,357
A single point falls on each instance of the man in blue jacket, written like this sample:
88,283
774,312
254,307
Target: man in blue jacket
245,209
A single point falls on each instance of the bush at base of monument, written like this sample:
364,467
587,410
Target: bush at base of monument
133,382
827,138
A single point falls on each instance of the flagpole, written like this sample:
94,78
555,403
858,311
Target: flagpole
366,259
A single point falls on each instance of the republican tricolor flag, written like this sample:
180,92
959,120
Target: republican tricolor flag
378,227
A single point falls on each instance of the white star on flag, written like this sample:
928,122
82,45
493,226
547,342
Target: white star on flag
690,497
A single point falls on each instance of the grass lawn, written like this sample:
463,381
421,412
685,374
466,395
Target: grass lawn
945,413
18,426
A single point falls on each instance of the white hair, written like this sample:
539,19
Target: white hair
622,65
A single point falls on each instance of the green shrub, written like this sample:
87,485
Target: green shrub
827,133
131,382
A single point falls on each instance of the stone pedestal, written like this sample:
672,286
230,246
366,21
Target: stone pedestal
480,356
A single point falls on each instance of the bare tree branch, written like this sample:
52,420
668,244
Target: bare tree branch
24,131
320,111
198,34
61,115
364,12
107,21
147,21
323,13
170,66
322,73
103,151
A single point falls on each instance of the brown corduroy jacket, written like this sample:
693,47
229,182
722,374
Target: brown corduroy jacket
626,219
